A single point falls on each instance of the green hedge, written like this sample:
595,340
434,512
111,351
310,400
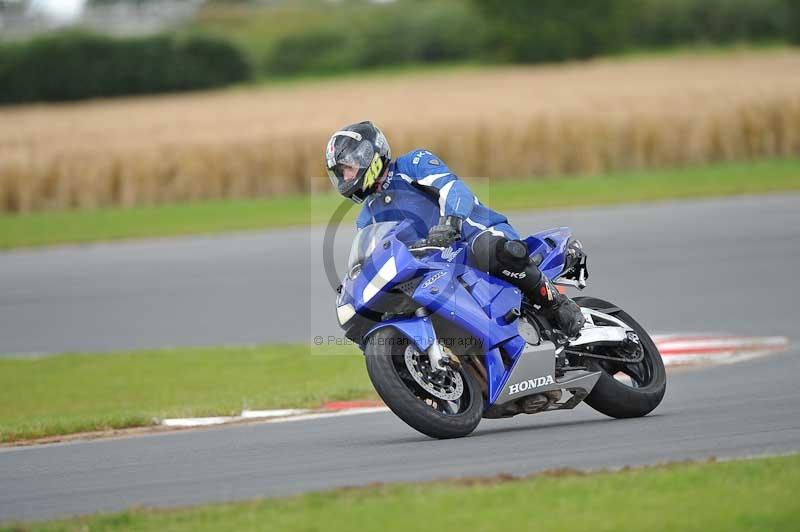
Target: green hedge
794,22
403,33
72,66
554,30
666,23
356,35
527,31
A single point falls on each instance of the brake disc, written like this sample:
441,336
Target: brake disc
444,384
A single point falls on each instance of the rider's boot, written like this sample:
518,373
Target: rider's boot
520,270
564,311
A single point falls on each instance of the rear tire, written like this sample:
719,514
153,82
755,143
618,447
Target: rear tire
614,398
385,366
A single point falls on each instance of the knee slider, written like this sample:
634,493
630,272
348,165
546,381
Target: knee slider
513,254
516,249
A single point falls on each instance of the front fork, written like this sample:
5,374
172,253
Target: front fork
439,361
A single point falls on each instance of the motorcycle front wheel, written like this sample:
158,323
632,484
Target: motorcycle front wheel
439,404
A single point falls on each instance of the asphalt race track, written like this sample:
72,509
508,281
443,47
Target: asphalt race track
719,265
733,410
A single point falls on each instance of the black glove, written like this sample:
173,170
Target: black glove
445,232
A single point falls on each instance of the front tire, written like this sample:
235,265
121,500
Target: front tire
648,378
434,417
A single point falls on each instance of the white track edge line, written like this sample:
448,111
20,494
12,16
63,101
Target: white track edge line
270,416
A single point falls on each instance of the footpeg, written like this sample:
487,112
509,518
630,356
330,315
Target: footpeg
511,315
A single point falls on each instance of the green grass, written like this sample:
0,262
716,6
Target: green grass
83,392
756,177
48,228
218,216
750,495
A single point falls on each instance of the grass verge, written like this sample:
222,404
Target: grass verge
73,393
754,494
48,228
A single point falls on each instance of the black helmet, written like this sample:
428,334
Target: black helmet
362,151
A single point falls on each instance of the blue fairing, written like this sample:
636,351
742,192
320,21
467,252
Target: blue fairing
551,245
418,330
451,289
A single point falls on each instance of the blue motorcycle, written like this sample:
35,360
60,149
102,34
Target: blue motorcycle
447,344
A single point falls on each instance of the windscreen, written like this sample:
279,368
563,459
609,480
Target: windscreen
365,241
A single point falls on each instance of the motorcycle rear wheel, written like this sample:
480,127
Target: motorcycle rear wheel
648,377
434,417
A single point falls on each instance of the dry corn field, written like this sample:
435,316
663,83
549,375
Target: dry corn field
500,122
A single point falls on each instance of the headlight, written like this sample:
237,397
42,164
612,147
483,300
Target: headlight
354,271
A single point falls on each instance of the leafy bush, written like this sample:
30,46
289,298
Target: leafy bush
664,23
74,65
554,30
314,51
408,32
314,37
793,22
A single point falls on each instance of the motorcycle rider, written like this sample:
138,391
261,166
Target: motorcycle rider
443,209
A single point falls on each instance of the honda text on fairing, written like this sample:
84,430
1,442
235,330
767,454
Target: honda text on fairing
447,344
